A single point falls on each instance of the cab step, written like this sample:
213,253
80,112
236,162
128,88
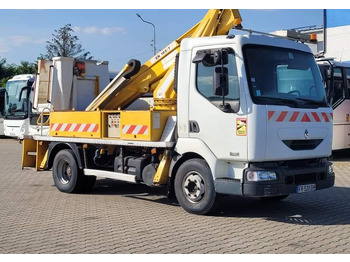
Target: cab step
112,175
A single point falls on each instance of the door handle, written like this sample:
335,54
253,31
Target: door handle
194,127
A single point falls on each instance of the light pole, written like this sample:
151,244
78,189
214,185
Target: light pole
154,33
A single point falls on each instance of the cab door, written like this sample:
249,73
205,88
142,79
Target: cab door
215,113
341,112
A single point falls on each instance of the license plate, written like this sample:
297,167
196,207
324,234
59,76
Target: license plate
306,188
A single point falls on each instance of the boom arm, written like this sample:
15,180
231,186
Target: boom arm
157,74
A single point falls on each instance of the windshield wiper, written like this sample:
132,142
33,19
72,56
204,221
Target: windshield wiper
280,101
311,102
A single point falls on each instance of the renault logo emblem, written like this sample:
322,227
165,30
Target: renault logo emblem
306,134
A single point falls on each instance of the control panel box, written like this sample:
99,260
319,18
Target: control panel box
114,125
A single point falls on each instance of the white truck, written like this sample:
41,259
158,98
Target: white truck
235,115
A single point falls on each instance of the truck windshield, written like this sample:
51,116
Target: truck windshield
15,108
280,76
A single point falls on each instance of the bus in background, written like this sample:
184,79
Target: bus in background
336,79
2,103
17,104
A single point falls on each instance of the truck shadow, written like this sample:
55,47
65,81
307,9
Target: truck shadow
340,155
114,187
325,207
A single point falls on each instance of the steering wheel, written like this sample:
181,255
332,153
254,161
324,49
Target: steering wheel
310,89
294,91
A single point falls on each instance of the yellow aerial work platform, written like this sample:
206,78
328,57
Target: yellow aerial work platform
124,125
105,117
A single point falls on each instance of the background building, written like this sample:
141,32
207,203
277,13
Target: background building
333,37
337,34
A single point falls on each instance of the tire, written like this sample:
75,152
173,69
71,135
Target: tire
67,176
274,198
194,187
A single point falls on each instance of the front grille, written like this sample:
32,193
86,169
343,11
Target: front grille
289,180
307,144
305,178
322,176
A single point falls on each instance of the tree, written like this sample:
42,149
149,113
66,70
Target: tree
65,44
2,72
7,71
2,68
26,68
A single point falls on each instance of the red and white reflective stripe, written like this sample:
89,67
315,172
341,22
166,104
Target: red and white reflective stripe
69,127
296,116
135,130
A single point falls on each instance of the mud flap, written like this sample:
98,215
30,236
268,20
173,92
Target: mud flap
28,153
34,154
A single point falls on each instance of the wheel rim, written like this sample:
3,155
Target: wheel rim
64,173
194,186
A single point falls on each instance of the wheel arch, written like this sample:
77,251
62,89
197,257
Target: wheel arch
178,160
55,147
184,151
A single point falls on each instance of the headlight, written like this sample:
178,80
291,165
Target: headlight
22,128
261,175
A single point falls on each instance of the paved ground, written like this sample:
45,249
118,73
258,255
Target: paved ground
121,218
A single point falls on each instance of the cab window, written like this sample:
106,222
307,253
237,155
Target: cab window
339,90
205,81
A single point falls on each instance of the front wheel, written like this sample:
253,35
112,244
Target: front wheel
194,187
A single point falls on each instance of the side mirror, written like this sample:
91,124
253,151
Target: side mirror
30,82
329,73
2,100
26,88
220,81
6,97
200,57
218,57
224,57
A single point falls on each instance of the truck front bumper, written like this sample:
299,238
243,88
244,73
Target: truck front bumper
292,177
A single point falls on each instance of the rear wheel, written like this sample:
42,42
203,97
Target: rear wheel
194,187
67,176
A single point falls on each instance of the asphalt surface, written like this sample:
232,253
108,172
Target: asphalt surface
121,218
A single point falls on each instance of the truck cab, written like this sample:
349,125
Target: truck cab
258,117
